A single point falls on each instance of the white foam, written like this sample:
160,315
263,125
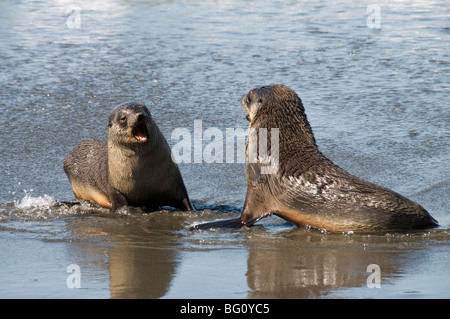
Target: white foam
30,201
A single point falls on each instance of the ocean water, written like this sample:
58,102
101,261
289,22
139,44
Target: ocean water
374,80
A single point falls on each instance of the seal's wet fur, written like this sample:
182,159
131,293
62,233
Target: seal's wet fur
133,168
309,189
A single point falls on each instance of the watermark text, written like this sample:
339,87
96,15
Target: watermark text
73,19
74,279
374,279
260,149
374,18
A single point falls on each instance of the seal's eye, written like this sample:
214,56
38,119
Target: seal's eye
123,120
260,100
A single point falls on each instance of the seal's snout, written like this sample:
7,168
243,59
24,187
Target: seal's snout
250,96
253,101
140,131
140,117
246,100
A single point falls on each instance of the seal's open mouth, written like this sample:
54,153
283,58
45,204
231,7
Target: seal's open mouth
140,132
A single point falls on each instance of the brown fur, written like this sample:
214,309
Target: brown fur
133,168
309,189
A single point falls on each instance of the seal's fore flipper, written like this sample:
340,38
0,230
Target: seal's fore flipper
227,224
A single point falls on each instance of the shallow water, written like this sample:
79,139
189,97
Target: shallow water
377,100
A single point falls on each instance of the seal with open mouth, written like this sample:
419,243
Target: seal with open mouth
308,189
134,168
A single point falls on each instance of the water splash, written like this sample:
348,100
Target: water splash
29,201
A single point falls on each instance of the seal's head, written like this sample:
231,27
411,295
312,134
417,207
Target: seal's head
130,124
277,106
267,99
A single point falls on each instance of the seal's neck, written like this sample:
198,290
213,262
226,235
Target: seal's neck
297,147
127,163
292,123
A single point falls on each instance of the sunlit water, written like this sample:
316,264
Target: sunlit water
377,100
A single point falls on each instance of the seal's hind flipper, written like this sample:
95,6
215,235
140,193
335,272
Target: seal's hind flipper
227,223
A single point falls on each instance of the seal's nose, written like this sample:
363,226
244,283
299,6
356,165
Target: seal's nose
140,117
250,96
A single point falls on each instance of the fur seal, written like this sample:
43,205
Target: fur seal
134,168
308,189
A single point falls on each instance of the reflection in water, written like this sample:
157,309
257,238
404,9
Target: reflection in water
305,273
283,261
311,265
140,272
138,255
142,251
